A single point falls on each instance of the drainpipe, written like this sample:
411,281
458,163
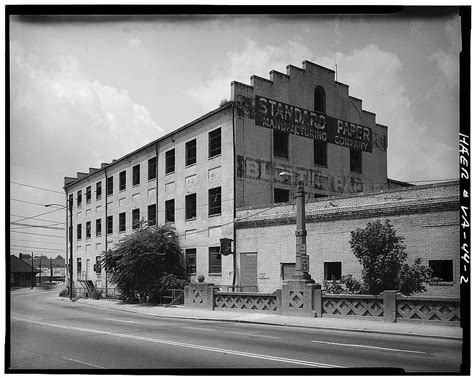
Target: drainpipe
105,227
234,258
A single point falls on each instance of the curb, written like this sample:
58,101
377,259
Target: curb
333,328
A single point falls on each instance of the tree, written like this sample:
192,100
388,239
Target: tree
146,263
382,256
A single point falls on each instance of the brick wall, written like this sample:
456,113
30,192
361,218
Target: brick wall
427,217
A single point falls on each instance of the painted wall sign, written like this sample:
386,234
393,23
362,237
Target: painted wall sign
310,124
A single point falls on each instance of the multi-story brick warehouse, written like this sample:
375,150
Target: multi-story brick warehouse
303,121
426,216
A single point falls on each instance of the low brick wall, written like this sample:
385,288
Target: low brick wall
388,306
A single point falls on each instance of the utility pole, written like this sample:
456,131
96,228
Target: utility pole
51,268
32,271
40,270
302,260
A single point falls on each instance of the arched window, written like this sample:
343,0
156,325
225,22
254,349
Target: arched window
319,99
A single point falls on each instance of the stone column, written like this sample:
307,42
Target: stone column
199,295
390,306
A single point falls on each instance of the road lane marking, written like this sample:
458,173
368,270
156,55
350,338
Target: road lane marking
252,335
39,308
122,321
179,344
370,347
85,363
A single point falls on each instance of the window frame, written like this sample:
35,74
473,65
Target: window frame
122,181
98,190
191,269
88,194
136,175
320,152
280,190
98,227
355,160
328,268
169,210
88,229
170,161
278,137
79,231
214,138
109,185
217,209
110,225
79,266
214,269
191,149
122,222
79,198
151,221
152,168
135,224
190,206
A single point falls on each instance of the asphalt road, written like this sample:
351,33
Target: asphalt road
47,333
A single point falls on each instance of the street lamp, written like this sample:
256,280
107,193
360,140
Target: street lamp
70,242
302,259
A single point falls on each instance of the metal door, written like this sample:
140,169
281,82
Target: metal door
248,271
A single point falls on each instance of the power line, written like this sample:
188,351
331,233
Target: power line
31,233
26,225
42,220
36,187
26,246
36,241
39,215
32,203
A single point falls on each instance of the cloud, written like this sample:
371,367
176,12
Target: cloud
253,60
134,42
62,119
415,151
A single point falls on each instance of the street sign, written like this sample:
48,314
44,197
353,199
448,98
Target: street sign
302,249
304,263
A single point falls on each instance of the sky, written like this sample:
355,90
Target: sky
84,91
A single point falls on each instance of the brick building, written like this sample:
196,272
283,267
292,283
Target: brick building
196,177
426,216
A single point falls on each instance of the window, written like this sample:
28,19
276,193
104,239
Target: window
356,161
190,206
441,270
319,99
169,211
110,185
79,198
191,152
190,254
151,215
215,143
98,227
136,175
88,230
152,168
71,200
280,144
79,266
332,271
169,161
88,194
135,219
122,224
287,271
79,231
110,224
215,260
281,195
320,152
98,190
122,180
98,265
215,201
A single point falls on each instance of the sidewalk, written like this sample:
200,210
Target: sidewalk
343,324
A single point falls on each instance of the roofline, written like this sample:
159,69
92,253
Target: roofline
207,115
352,195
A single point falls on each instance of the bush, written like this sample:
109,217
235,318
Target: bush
64,293
346,285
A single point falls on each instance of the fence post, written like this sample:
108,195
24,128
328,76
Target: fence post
278,300
390,306
199,294
318,301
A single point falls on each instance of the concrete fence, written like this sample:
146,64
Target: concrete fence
388,306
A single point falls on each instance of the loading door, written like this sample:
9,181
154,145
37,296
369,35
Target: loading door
248,271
